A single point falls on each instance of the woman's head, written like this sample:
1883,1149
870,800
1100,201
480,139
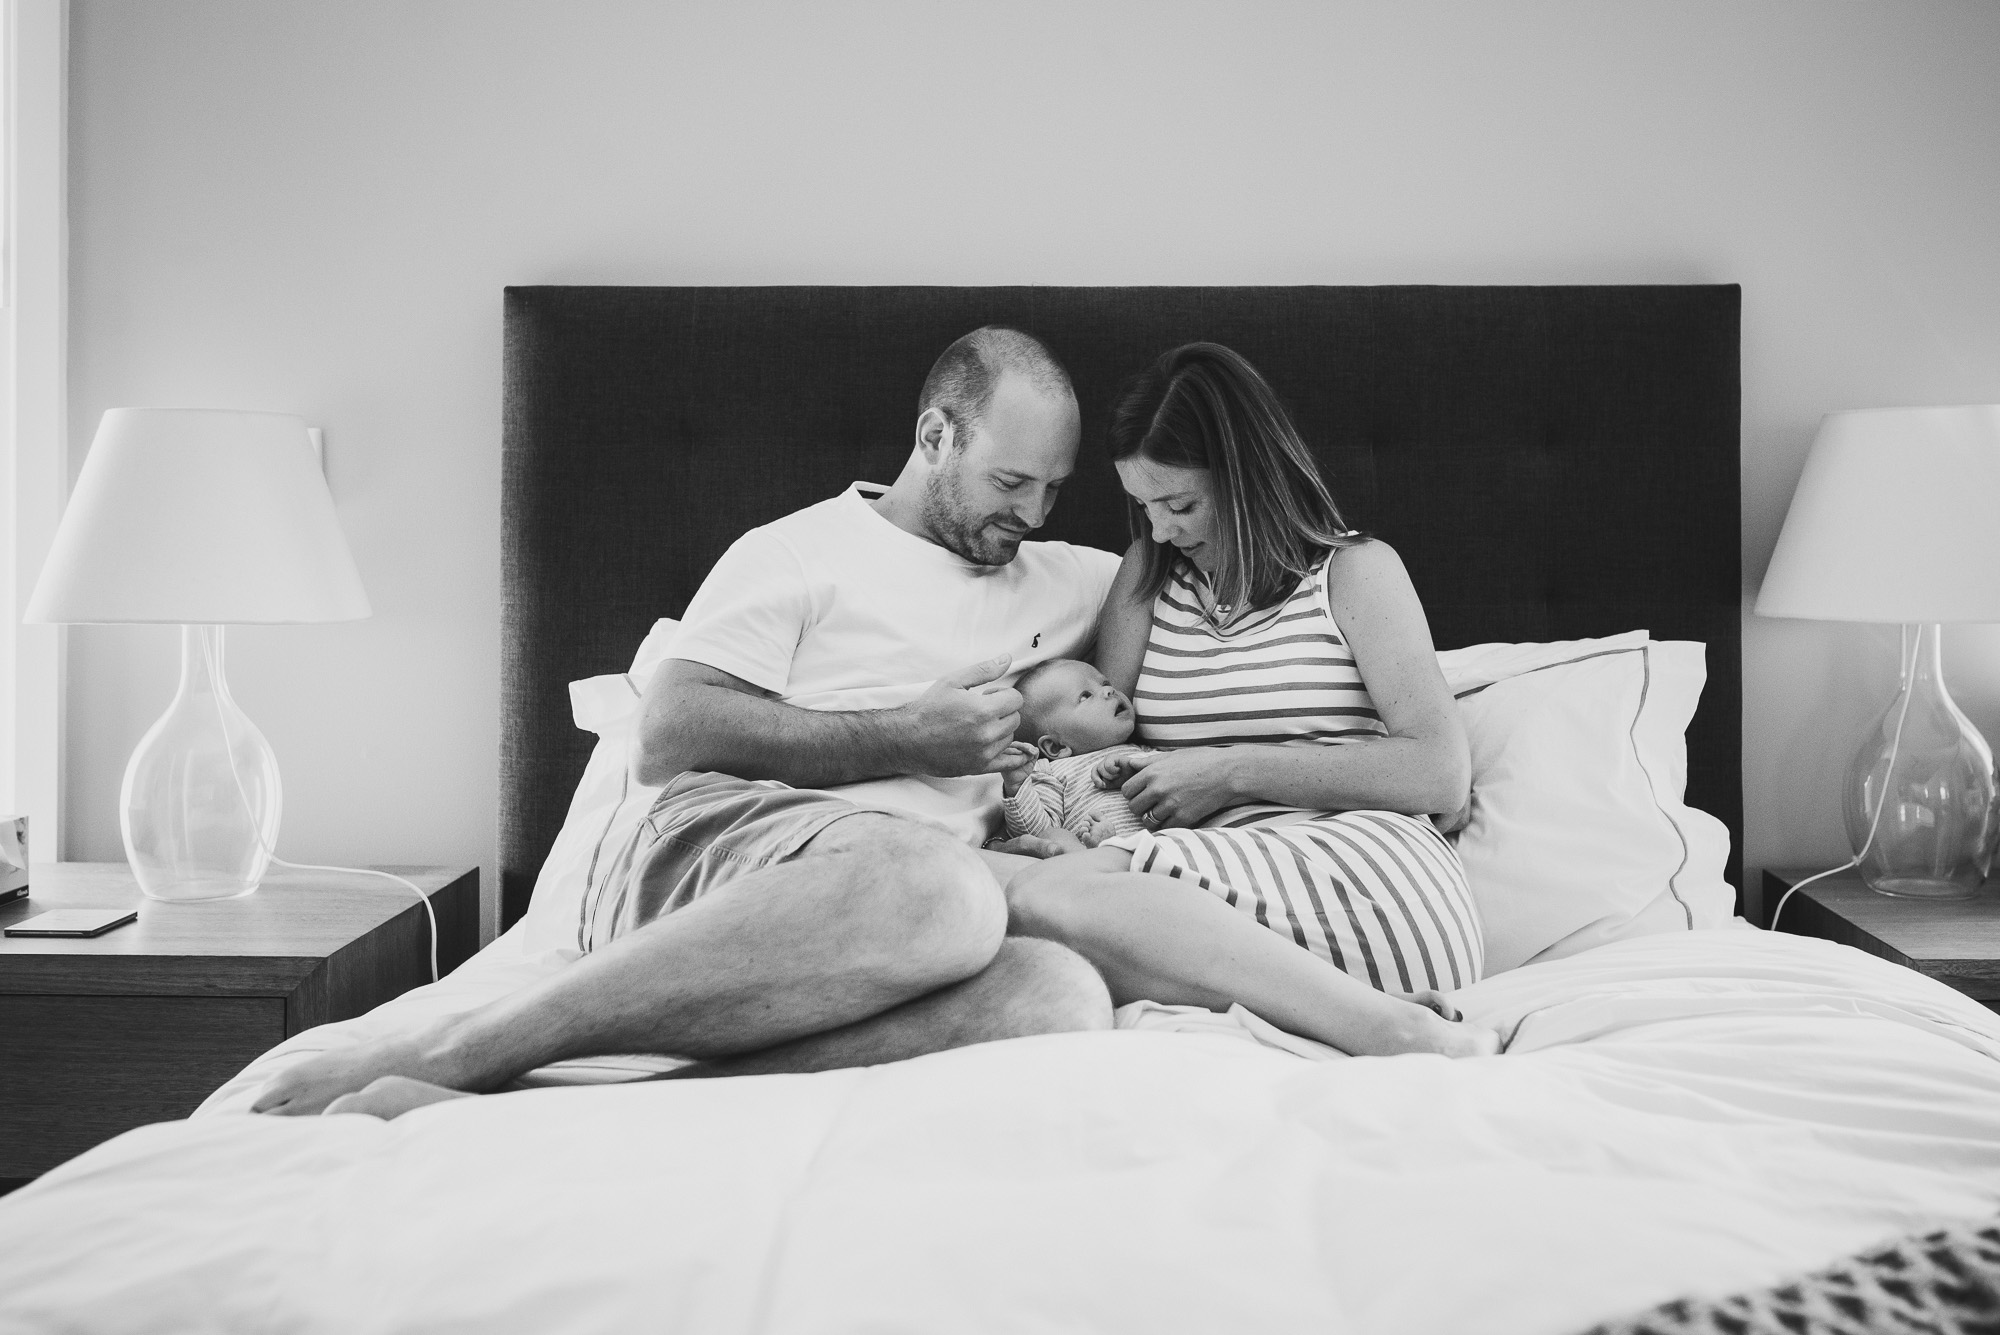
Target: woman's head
1216,472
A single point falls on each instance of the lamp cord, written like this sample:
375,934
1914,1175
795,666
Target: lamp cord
1875,821
408,884
216,688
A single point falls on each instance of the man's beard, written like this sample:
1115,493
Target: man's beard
953,526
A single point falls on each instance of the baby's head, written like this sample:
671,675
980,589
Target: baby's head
1068,708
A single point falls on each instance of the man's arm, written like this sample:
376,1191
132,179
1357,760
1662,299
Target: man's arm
696,717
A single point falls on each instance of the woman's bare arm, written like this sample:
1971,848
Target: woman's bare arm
1422,766
1125,623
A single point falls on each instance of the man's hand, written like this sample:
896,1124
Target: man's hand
963,724
1055,844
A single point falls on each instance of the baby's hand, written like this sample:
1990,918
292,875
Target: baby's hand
1016,761
1112,771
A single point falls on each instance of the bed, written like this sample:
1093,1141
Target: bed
1687,1107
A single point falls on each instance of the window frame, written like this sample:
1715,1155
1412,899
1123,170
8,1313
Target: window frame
34,391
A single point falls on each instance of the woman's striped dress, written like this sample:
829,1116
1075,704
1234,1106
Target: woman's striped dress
1379,894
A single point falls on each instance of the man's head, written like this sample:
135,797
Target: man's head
1068,708
997,431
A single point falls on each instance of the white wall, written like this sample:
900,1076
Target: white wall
314,207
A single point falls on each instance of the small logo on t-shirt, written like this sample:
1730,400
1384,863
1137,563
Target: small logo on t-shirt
1036,643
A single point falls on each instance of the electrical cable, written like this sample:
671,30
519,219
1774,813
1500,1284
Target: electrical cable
1913,647
412,886
217,688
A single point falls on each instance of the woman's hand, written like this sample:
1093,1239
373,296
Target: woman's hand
1112,771
1179,788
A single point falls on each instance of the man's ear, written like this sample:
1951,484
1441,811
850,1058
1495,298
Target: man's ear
935,433
1051,746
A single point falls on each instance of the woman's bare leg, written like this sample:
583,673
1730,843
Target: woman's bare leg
1161,939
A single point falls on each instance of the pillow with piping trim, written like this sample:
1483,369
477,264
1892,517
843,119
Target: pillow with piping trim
608,804
1579,833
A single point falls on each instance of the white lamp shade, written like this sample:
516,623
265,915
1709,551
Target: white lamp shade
199,516
1895,519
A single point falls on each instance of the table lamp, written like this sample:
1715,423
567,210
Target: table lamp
1893,521
199,517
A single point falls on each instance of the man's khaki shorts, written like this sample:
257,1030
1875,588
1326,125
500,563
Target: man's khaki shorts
703,831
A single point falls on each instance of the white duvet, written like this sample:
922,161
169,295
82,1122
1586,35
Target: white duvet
1697,1112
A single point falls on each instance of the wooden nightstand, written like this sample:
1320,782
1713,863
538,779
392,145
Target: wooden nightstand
139,1025
1956,941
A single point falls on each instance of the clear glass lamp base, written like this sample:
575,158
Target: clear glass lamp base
200,803
1920,795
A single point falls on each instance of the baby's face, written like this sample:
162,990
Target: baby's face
1073,703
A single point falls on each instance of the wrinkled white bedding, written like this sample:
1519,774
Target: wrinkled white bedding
1688,1112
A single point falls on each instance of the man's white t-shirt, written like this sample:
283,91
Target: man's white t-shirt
833,607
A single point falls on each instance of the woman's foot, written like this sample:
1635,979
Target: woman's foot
1435,1001
1457,1038
313,1084
1426,1023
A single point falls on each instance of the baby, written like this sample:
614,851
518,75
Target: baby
1074,726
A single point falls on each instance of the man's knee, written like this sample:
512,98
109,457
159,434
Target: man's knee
950,913
1048,989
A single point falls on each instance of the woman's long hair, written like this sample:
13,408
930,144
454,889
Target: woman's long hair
1203,406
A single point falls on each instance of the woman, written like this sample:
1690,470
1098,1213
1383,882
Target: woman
1281,666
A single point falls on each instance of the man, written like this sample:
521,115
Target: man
761,922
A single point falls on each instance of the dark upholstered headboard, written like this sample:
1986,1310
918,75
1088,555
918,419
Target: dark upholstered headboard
1551,462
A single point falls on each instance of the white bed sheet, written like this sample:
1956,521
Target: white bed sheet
1695,1112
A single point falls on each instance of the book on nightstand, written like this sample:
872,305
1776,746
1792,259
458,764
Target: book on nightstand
13,858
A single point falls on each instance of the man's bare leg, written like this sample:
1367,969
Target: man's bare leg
1163,939
876,911
1031,987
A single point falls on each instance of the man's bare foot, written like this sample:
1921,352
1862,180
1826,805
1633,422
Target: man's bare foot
310,1086
392,1096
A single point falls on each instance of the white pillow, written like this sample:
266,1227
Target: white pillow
1579,833
607,806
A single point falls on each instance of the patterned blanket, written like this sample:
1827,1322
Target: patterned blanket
1941,1283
